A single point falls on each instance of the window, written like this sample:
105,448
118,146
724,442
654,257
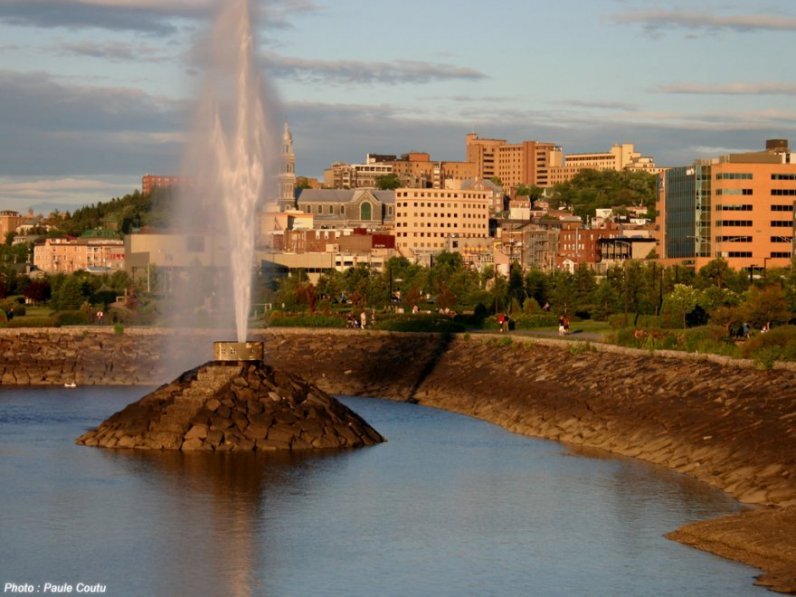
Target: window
782,223
739,254
366,211
783,177
781,254
782,208
782,239
783,192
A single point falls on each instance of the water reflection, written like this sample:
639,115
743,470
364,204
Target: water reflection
217,501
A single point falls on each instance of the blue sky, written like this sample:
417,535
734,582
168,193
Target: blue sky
95,93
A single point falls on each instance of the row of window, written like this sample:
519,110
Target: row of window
734,176
733,191
783,177
741,223
748,207
736,207
734,223
748,239
436,235
440,225
783,192
442,195
467,215
479,208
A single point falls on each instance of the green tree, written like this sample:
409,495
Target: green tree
516,289
70,294
679,303
388,182
593,189
766,305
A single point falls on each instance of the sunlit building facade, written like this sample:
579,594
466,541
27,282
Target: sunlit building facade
739,207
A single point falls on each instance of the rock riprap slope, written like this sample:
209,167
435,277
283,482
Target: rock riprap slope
224,405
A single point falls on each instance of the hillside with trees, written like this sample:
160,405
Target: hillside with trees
124,214
595,189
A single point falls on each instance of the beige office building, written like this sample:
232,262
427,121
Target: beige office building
621,156
525,163
425,218
739,207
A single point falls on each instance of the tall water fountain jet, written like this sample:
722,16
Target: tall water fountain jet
239,162
231,157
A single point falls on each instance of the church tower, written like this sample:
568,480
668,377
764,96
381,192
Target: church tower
287,172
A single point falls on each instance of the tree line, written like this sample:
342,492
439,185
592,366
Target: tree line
640,292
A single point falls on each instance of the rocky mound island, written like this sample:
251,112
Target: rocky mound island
231,404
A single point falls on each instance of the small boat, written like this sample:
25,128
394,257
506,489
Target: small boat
70,384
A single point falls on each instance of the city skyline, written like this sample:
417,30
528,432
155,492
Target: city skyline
97,93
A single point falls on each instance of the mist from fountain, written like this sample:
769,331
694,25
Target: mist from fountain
231,160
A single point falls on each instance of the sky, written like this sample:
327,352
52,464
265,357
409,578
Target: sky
96,93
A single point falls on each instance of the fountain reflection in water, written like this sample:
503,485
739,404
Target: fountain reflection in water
231,157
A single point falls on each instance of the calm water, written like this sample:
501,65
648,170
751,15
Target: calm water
449,506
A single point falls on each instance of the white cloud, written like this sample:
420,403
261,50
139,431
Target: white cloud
148,16
656,20
769,88
115,51
355,71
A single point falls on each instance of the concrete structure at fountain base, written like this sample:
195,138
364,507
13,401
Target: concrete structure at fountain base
235,403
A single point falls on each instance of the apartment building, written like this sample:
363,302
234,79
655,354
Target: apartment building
9,222
525,163
354,176
622,156
150,182
68,255
739,207
578,245
414,169
425,218
417,169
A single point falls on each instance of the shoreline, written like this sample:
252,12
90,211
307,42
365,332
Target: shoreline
721,421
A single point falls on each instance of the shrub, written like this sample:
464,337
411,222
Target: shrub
41,321
422,323
779,344
708,339
118,328
620,320
307,320
75,317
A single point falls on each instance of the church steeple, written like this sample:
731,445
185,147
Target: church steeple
287,172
